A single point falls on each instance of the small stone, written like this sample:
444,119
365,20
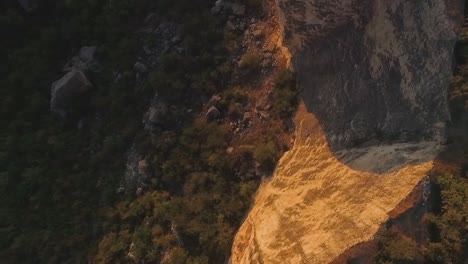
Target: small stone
230,150
257,33
120,190
247,117
212,113
214,101
230,26
218,7
139,191
267,55
140,67
142,167
270,47
264,115
237,9
176,39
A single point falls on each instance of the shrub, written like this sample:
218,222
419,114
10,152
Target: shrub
265,154
394,248
285,98
250,63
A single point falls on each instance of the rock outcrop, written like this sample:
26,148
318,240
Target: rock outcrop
374,76
372,68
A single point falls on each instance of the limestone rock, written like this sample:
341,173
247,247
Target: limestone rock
70,87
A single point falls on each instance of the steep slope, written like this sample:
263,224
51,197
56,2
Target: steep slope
374,76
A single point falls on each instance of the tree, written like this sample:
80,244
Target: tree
265,154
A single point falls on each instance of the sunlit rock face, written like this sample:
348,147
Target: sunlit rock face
372,68
374,75
316,207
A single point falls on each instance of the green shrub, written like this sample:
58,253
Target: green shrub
285,97
394,248
265,154
250,63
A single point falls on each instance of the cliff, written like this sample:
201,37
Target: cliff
374,76
372,68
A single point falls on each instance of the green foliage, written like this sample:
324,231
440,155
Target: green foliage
250,63
266,155
458,94
448,230
451,225
393,248
113,246
285,96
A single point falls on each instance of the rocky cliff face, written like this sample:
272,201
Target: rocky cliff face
372,68
374,75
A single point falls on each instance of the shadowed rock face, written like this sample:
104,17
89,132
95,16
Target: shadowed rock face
372,68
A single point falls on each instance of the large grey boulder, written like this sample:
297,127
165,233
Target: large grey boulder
68,89
85,60
373,68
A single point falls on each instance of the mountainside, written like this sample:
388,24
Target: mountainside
145,131
374,76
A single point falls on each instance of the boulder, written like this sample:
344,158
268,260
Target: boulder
154,117
218,7
247,117
139,192
214,101
85,60
238,9
257,33
140,67
213,113
143,168
67,89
